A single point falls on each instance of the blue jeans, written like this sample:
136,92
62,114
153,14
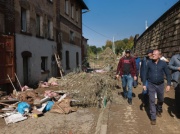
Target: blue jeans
127,81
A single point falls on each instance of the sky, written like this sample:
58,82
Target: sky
119,19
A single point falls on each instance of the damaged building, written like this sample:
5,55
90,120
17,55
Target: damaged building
71,33
38,30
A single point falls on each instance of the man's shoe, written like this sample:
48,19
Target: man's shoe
159,114
130,101
153,122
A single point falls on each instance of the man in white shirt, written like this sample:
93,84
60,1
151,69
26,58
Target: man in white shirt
163,58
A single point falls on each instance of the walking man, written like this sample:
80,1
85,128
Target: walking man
143,68
138,62
127,70
156,69
174,65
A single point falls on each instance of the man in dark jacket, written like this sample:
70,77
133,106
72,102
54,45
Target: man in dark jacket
143,69
174,65
127,70
138,61
156,69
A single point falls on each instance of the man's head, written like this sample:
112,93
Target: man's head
127,52
156,55
135,55
150,53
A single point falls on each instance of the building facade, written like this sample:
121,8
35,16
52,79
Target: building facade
71,33
35,39
32,31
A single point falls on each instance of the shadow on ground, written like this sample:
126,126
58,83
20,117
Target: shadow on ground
171,107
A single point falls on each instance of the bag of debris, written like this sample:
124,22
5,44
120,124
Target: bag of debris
23,107
48,106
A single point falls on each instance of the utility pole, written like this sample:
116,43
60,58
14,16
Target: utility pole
113,46
146,25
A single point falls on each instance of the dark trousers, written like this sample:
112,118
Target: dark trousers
152,89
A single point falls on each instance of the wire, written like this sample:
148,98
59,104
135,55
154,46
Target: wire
96,32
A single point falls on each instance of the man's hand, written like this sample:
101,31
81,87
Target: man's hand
144,88
179,68
167,88
117,76
135,78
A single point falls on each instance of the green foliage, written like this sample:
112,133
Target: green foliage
124,44
93,51
120,46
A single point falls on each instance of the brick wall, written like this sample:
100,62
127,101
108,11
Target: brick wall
163,34
7,17
71,24
44,8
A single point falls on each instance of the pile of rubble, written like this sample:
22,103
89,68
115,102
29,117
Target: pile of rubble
106,60
63,96
88,89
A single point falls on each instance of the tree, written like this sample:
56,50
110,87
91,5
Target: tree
108,44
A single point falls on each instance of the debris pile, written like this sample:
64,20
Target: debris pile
106,61
88,89
58,95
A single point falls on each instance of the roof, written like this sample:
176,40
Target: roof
84,6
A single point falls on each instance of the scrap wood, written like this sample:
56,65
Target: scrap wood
28,96
8,109
9,101
14,91
7,104
18,81
63,107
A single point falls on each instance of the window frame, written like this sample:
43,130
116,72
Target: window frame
67,60
44,63
67,7
23,20
72,11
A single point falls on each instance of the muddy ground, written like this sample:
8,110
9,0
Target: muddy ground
117,118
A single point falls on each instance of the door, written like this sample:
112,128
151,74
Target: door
6,59
25,70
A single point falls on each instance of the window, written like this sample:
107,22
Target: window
66,7
38,25
67,60
77,15
23,20
50,29
77,59
71,36
72,11
44,63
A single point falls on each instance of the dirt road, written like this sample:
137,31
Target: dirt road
117,118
